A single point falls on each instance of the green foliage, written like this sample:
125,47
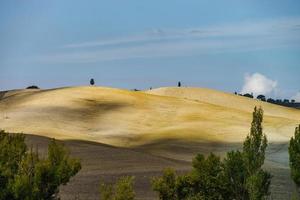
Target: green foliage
23,184
204,182
207,177
258,185
235,175
257,180
24,176
255,144
239,176
184,187
122,190
294,152
166,185
295,196
106,191
12,152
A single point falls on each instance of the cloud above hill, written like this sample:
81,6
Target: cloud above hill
258,84
166,42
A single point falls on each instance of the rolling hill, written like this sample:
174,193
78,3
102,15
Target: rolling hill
128,118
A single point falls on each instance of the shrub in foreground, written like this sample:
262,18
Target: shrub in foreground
294,153
122,190
26,176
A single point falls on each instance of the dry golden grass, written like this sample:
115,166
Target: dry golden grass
127,118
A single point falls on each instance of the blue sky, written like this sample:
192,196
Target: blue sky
230,45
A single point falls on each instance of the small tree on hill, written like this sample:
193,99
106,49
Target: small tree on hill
294,152
270,100
248,95
92,82
261,97
33,87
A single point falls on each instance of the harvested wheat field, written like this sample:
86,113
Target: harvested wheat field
126,118
119,132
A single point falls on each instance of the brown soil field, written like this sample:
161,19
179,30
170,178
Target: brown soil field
101,162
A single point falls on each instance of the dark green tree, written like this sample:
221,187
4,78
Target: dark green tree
207,177
92,82
54,171
23,185
255,143
294,153
166,185
24,176
258,185
204,182
235,174
12,152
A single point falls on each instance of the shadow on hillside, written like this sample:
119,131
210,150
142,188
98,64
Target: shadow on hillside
84,111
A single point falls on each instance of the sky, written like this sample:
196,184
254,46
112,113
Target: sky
229,45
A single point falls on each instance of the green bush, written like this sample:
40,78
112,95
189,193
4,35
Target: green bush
207,177
235,175
258,185
166,185
25,176
122,190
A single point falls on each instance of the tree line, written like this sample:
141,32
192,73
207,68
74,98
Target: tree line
270,100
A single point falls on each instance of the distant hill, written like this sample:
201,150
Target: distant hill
130,118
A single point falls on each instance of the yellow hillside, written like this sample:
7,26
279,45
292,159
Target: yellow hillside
224,99
127,118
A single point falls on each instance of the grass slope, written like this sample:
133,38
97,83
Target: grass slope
127,118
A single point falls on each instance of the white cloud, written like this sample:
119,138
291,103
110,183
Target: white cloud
243,37
258,84
276,28
296,97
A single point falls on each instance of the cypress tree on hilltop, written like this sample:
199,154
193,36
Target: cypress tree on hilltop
92,82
